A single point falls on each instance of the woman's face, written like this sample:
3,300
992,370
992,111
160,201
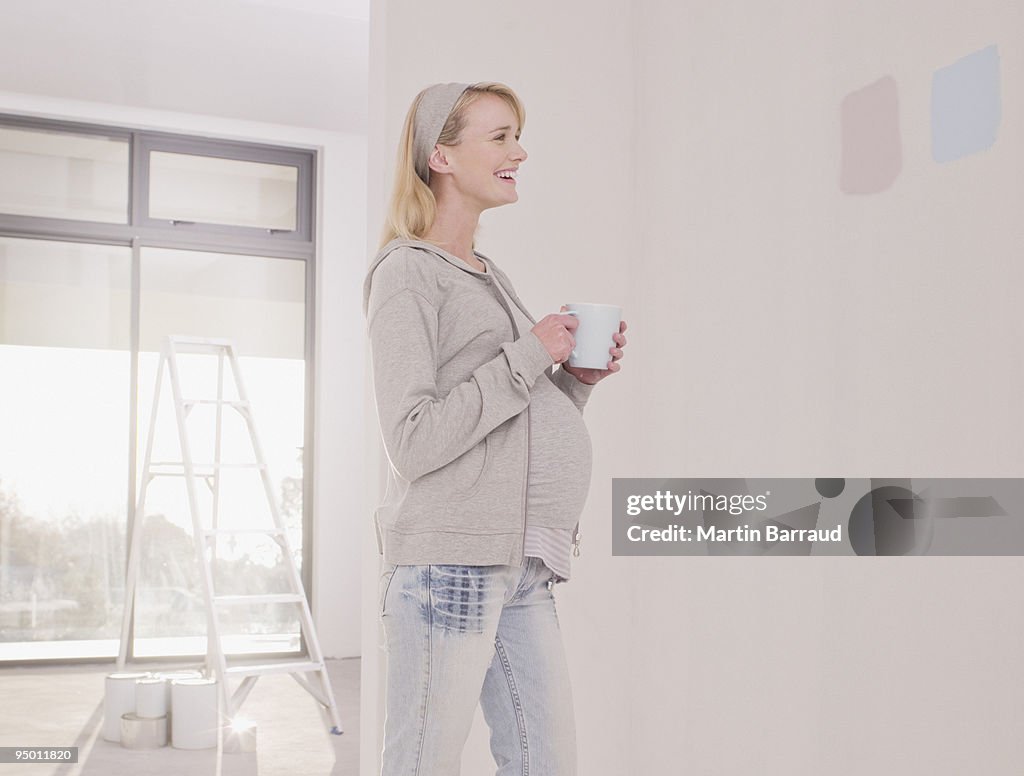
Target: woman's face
489,145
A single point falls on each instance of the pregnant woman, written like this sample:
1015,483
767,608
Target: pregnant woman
489,456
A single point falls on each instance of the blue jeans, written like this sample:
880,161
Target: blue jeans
459,635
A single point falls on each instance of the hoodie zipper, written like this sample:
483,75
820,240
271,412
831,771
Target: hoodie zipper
526,466
488,278
526,478
576,541
526,474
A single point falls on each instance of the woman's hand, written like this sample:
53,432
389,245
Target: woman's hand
594,376
555,333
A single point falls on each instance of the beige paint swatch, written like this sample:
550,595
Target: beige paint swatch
872,155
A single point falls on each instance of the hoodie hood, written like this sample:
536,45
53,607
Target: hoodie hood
452,259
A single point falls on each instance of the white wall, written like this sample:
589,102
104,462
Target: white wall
820,333
684,161
340,502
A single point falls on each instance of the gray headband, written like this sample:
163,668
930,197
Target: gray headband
435,106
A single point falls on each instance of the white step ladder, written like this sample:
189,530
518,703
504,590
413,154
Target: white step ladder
319,685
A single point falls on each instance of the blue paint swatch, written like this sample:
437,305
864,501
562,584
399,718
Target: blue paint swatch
966,106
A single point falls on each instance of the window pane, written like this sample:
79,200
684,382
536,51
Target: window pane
63,175
259,304
64,320
208,190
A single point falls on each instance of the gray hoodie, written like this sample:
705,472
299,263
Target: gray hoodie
452,379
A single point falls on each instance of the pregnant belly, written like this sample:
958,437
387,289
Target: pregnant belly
560,458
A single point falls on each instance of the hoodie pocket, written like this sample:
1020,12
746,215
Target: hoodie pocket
467,471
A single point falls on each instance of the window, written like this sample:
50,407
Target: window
204,189
66,367
110,240
63,174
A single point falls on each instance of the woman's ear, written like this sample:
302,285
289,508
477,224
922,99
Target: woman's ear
437,161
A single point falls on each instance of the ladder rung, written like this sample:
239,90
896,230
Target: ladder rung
252,531
268,598
191,339
275,668
210,465
226,402
199,345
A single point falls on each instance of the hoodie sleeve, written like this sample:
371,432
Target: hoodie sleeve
421,430
573,388
577,392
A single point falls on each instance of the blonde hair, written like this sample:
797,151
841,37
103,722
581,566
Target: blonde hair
412,209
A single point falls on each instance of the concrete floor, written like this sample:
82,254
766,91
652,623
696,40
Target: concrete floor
63,706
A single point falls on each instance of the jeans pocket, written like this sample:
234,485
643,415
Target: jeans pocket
465,599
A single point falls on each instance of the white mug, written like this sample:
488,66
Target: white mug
598,322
